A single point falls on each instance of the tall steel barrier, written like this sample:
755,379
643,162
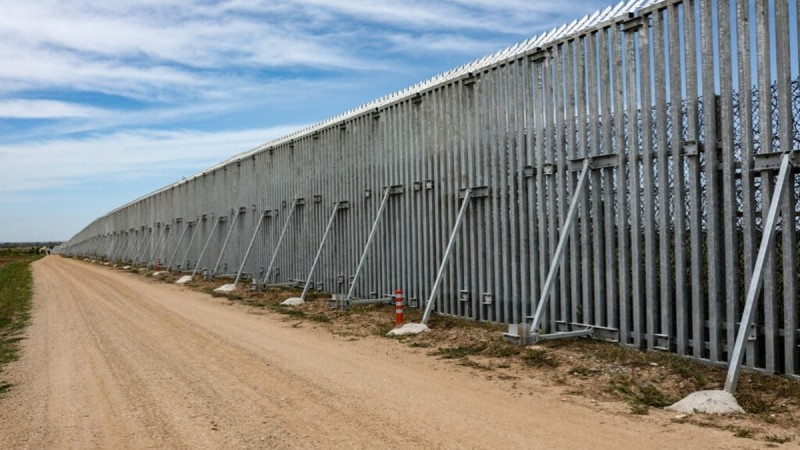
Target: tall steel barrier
673,115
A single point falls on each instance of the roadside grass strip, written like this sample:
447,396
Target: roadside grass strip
16,290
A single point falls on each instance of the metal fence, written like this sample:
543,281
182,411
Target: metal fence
667,222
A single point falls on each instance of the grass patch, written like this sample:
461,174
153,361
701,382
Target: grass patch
778,439
466,362
16,290
319,318
289,311
462,351
539,358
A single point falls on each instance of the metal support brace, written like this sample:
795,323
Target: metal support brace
225,243
137,242
450,244
295,203
152,247
178,245
249,247
130,243
386,193
195,228
321,246
735,363
154,254
110,246
559,254
140,252
202,252
165,241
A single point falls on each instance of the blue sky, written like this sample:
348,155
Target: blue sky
103,102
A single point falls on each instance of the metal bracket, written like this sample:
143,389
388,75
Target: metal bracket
693,148
662,342
605,161
633,24
396,189
772,160
475,192
538,55
528,171
469,79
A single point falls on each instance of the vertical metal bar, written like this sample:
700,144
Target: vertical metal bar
767,240
663,169
746,126
695,219
763,50
648,314
564,299
789,229
597,233
679,194
583,149
450,244
571,151
319,250
559,253
623,278
634,258
609,185
729,209
714,252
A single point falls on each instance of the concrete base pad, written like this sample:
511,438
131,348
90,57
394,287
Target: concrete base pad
226,288
708,402
126,267
409,328
157,274
293,301
184,279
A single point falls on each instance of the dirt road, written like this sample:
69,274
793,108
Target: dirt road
113,360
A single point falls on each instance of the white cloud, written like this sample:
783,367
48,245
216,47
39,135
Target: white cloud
45,109
128,155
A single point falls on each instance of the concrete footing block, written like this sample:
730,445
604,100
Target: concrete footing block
708,402
293,301
184,279
409,329
226,288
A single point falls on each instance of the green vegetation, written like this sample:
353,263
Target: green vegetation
539,358
16,290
